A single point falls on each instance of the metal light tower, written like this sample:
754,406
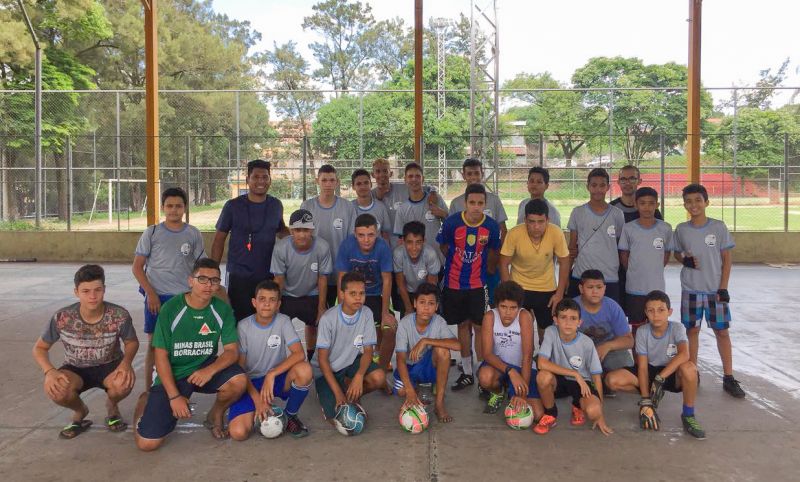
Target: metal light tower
440,26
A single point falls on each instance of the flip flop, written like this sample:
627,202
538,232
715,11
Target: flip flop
217,431
115,423
74,429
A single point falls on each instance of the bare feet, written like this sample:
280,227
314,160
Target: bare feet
215,424
441,413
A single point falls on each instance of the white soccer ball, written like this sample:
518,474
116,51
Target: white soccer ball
274,425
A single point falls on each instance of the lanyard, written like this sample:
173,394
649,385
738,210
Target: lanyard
250,230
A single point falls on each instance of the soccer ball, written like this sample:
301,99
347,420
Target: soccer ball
350,419
274,425
519,419
414,419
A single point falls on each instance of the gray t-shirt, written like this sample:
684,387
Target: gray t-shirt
332,224
553,216
646,247
379,211
660,351
579,354
265,347
420,211
494,207
408,336
597,240
397,194
706,243
301,269
345,337
170,256
417,271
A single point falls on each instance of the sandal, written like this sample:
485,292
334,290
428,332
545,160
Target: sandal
74,429
114,423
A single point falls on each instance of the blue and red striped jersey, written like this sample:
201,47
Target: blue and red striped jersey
467,255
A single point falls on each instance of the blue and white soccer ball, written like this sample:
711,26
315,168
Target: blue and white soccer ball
350,419
274,425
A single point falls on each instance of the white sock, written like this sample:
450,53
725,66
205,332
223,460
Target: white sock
466,363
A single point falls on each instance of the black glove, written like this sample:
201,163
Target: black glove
723,296
657,390
689,262
648,418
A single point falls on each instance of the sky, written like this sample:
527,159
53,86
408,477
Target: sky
739,39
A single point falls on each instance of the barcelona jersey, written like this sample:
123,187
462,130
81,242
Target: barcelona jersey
467,250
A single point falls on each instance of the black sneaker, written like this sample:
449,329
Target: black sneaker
463,382
295,427
493,403
731,385
694,429
609,393
483,394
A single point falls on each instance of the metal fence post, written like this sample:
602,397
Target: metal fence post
663,173
361,128
117,164
188,180
611,127
305,166
69,184
541,150
238,153
785,181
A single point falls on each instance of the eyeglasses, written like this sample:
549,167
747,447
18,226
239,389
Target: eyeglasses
628,179
204,280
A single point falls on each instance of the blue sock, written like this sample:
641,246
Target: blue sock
296,397
688,411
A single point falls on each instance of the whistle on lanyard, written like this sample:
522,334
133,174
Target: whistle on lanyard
249,244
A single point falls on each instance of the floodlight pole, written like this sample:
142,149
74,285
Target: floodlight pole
693,107
418,28
37,100
151,108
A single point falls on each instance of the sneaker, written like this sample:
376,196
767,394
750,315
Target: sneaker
545,424
693,428
577,416
295,427
483,394
493,404
463,382
731,385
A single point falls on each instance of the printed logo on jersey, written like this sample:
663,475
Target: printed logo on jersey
314,267
506,340
186,249
379,226
575,361
711,240
672,350
658,243
612,231
483,239
274,341
421,274
471,239
338,223
488,212
397,205
205,330
429,216
358,342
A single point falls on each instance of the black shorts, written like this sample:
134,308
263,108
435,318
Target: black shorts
303,308
92,377
157,420
331,296
464,305
537,301
570,388
612,289
670,383
375,303
634,308
241,292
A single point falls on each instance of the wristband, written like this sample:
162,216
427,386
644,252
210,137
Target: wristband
173,398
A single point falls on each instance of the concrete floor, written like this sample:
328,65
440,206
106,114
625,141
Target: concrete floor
751,439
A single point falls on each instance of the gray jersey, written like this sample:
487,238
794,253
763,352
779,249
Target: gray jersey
301,269
379,211
332,224
420,211
553,216
398,193
417,271
706,244
494,207
170,256
507,340
579,354
345,337
660,351
597,240
265,347
408,336
646,248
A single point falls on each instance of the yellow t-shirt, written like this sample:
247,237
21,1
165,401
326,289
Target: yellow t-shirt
532,267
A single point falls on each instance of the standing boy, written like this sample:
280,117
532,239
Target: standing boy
91,331
423,351
365,203
629,179
414,262
334,217
264,339
426,207
392,195
594,229
470,240
301,264
538,182
644,249
343,366
569,367
163,263
703,245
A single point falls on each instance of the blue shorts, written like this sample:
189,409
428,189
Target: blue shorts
245,403
421,372
157,420
533,390
492,280
150,318
696,306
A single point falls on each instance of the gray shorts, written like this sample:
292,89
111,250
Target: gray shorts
617,359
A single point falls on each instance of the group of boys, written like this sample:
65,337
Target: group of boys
344,268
